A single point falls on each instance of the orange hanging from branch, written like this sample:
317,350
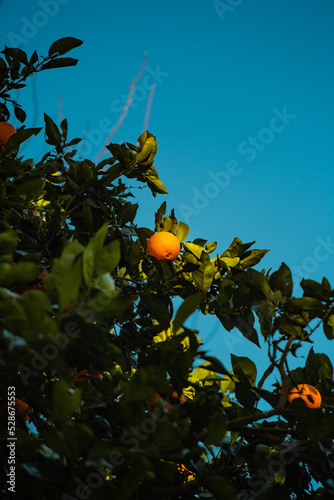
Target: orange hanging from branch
163,246
309,394
6,131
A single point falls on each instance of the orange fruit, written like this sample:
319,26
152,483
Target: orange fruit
309,394
85,373
6,131
24,410
171,402
163,246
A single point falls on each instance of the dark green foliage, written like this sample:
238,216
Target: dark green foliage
80,295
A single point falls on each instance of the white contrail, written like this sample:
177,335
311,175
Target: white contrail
125,109
148,107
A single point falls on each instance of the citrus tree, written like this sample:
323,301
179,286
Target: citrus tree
105,391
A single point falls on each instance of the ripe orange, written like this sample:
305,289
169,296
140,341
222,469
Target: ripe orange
163,246
23,409
309,394
171,402
84,373
6,131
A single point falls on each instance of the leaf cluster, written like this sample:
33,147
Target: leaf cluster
80,294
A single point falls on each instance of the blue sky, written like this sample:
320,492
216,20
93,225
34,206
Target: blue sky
242,111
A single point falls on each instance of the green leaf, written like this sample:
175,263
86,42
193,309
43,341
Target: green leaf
227,262
316,290
7,240
38,311
154,182
33,58
66,278
328,326
87,215
245,395
203,372
21,136
251,258
318,368
182,231
288,326
194,249
216,429
268,396
66,400
88,265
98,259
210,247
219,486
282,280
107,258
29,191
64,45
244,369
96,243
127,212
237,248
159,214
20,114
62,62
145,382
64,128
310,304
255,279
186,309
148,149
16,54
158,309
52,132
215,365
203,276
22,272
245,324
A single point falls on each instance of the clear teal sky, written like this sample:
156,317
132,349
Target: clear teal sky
242,109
